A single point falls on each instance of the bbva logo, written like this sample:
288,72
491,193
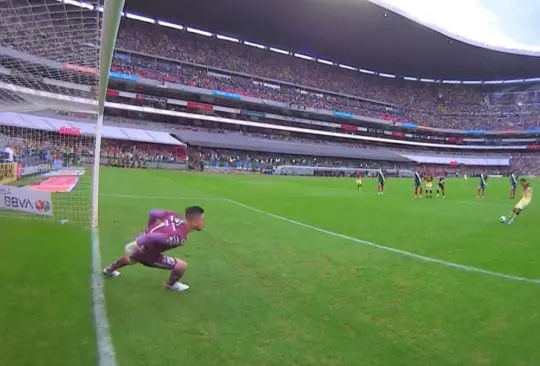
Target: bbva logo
25,203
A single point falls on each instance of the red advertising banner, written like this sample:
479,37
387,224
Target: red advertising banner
72,131
533,147
349,128
400,135
113,93
80,68
455,140
204,107
453,163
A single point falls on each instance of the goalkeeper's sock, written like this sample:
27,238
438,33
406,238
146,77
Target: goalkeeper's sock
174,277
117,264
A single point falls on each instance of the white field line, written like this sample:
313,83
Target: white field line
389,249
349,238
105,348
113,195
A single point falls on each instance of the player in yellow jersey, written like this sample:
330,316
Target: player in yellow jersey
429,186
359,180
525,200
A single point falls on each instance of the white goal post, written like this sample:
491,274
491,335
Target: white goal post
112,14
49,166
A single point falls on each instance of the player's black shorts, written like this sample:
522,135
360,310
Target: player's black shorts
441,186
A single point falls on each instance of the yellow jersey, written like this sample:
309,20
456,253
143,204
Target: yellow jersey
528,192
526,199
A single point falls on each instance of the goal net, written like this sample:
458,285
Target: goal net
49,85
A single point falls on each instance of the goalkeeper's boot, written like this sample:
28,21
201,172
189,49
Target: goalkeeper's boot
110,274
178,287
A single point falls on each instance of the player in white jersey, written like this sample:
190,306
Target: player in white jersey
482,186
381,180
513,185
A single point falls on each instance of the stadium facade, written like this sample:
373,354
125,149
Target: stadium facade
360,113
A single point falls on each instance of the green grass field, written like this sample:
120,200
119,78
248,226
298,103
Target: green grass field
267,290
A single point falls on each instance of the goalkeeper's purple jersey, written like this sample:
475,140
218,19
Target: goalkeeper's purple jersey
155,215
166,231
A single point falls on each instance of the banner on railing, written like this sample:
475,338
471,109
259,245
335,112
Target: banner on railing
36,169
455,140
342,114
220,93
71,131
80,68
119,75
26,200
509,132
409,125
476,132
8,172
200,106
151,98
349,128
243,112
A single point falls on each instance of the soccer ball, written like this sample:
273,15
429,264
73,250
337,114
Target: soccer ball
502,219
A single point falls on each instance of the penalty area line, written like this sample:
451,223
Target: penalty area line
390,249
133,196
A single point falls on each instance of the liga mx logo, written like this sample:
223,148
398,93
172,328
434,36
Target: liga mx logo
43,206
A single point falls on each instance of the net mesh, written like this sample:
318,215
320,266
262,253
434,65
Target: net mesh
49,54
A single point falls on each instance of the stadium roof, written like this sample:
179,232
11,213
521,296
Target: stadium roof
351,32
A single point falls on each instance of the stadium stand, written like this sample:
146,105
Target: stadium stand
436,105
156,53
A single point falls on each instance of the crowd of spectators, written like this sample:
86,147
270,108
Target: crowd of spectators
430,104
47,30
120,152
29,147
526,164
265,134
264,161
437,105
